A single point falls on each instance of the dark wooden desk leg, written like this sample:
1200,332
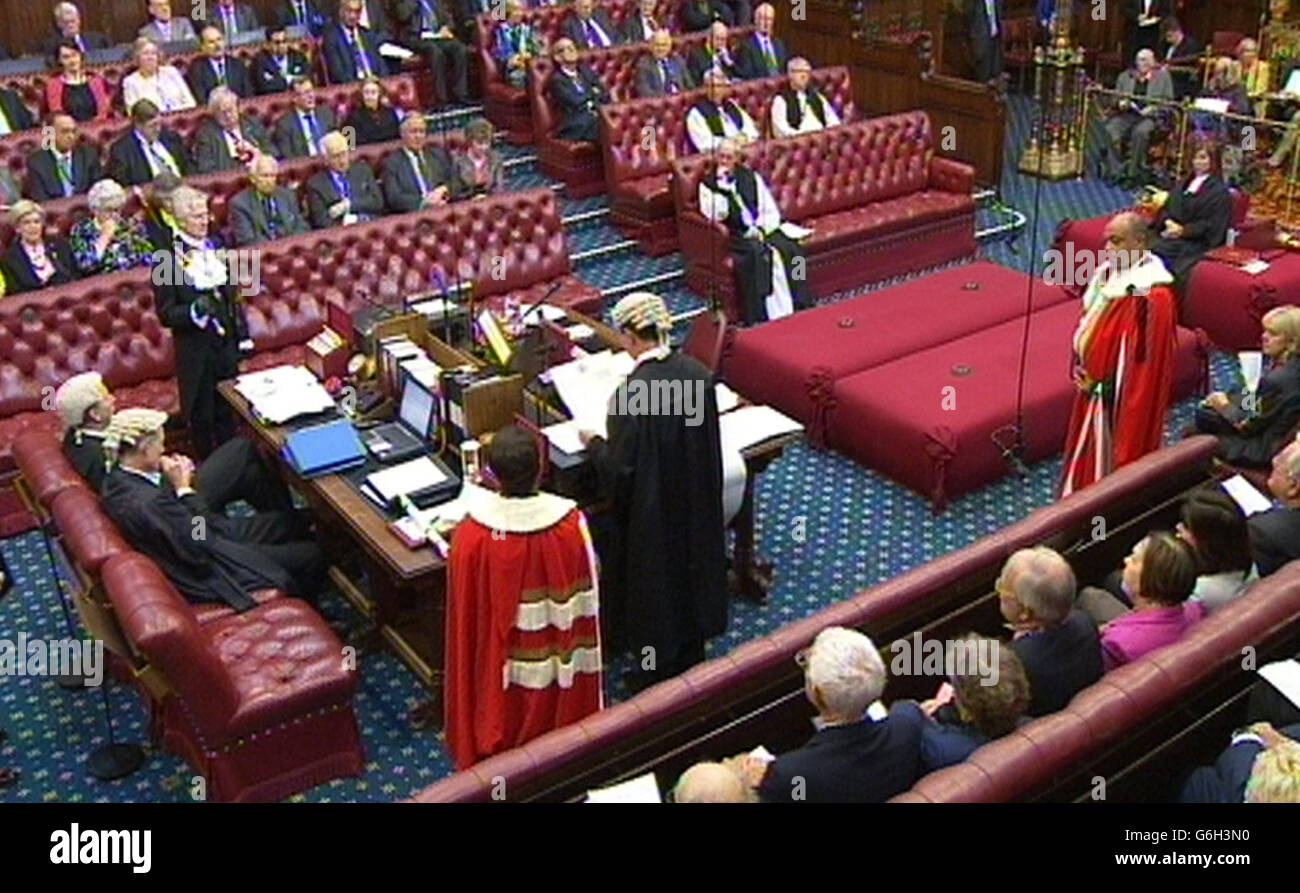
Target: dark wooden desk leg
753,576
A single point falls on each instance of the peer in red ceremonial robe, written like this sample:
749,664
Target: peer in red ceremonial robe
1123,358
523,633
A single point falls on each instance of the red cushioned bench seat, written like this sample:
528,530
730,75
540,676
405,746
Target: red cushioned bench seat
893,417
794,363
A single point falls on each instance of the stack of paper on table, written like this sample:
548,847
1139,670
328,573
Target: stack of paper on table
642,789
281,393
587,384
750,425
1243,492
404,479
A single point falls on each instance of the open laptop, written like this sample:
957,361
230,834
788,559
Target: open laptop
405,438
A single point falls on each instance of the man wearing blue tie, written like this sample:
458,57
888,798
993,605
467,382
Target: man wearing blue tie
426,28
351,52
299,131
346,191
590,28
304,13
661,73
265,210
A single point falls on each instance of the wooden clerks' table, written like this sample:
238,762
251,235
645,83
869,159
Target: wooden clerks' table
404,589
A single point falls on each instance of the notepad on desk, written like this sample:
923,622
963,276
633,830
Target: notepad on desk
281,393
414,476
642,789
1243,493
751,425
1284,675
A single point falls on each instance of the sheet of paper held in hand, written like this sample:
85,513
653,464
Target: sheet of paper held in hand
281,393
586,384
1252,367
642,789
1252,501
1284,675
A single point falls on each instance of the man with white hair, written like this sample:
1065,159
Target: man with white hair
771,267
661,73
265,210
165,27
660,464
800,107
711,783
717,117
851,758
227,140
1275,534
67,26
1056,643
234,471
762,54
345,192
1136,119
714,55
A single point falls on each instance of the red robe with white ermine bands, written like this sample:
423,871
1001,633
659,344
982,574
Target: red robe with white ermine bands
523,633
1127,349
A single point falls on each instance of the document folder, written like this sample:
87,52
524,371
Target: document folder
324,449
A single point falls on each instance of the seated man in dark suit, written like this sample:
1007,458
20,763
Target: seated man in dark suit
1182,50
234,471
698,15
14,115
851,758
231,17
1275,534
577,91
147,149
299,131
1056,644
640,26
417,175
67,26
351,51
373,16
155,502
265,210
307,13
276,68
761,54
345,192
590,28
714,55
427,29
662,73
214,68
65,169
227,140
1261,765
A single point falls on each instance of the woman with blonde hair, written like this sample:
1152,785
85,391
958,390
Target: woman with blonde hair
1252,427
31,261
161,84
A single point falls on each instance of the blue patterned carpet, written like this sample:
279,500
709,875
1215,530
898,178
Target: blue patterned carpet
859,530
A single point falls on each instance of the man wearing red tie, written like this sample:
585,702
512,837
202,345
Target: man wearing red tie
661,73
351,51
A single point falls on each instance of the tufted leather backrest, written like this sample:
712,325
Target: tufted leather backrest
831,170
106,324
14,148
1120,703
643,137
161,625
90,534
616,67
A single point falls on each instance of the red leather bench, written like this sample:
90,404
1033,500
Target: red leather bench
579,164
1220,299
506,106
262,703
638,179
754,694
14,148
1035,756
879,201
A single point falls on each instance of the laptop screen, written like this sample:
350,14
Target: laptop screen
417,408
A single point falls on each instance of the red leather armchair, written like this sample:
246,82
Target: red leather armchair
261,707
637,177
879,201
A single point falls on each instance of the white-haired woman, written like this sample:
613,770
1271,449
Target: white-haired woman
31,261
106,241
161,84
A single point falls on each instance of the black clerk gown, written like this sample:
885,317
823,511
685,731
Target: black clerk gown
1266,430
1205,215
665,565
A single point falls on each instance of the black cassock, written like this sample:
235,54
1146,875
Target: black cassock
1266,430
665,562
204,357
221,560
1205,215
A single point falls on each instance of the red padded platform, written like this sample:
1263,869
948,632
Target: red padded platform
793,363
892,418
